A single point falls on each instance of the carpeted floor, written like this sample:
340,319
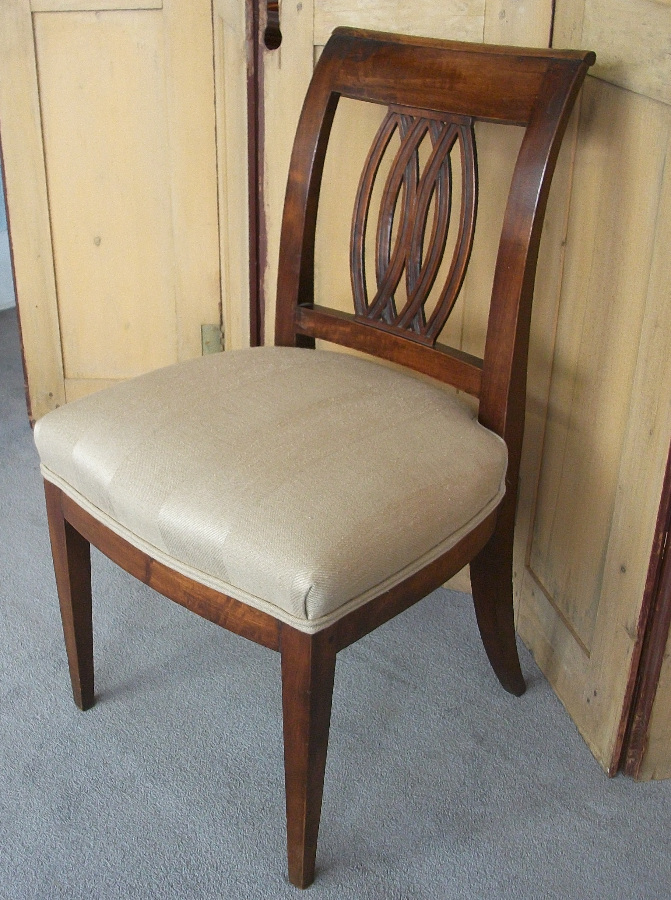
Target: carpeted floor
438,784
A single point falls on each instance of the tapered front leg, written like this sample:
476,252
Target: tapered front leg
308,668
492,586
72,565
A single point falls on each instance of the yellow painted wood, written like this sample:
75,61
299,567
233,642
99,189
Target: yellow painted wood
354,129
649,441
102,91
600,479
122,112
458,21
231,111
92,5
21,137
523,23
192,157
597,346
82,387
631,39
497,152
567,26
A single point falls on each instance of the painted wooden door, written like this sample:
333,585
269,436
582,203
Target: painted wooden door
598,421
596,455
108,136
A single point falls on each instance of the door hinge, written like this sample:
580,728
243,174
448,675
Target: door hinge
212,339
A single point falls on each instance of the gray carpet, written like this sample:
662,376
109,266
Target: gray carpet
438,784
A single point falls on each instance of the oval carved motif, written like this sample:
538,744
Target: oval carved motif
414,220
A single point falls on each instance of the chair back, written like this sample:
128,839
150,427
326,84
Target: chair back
434,92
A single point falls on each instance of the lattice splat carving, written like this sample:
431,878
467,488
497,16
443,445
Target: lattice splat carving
414,222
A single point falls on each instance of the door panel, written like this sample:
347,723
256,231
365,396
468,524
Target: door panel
119,96
632,37
605,285
589,502
109,200
591,527
463,21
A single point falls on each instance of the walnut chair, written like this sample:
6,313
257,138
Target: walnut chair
301,497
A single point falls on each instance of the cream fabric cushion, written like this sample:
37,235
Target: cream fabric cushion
301,482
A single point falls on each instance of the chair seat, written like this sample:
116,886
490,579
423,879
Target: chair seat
301,482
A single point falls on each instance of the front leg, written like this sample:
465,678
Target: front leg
308,669
72,566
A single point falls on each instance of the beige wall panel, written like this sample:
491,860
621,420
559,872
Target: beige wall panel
458,20
631,40
567,26
523,23
647,456
192,159
102,88
92,5
231,106
23,155
597,344
76,387
606,442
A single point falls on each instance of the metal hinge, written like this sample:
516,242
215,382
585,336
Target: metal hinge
212,339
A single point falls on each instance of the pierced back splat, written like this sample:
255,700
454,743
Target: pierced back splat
407,246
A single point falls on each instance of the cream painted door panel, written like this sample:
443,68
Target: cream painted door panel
593,472
108,134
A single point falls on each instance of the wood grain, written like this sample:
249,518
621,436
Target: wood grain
113,192
230,68
28,205
608,434
462,21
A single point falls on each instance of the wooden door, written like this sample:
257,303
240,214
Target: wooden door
108,136
595,457
598,421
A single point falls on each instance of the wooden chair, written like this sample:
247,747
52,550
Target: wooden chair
300,497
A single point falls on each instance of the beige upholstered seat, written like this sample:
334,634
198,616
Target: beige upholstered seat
210,467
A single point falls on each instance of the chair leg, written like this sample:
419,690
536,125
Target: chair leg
72,565
492,586
308,668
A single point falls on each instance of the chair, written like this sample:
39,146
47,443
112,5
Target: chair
301,497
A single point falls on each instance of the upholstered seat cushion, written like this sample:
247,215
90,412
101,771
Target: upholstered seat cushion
301,482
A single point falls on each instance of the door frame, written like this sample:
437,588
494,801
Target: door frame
653,630
263,35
